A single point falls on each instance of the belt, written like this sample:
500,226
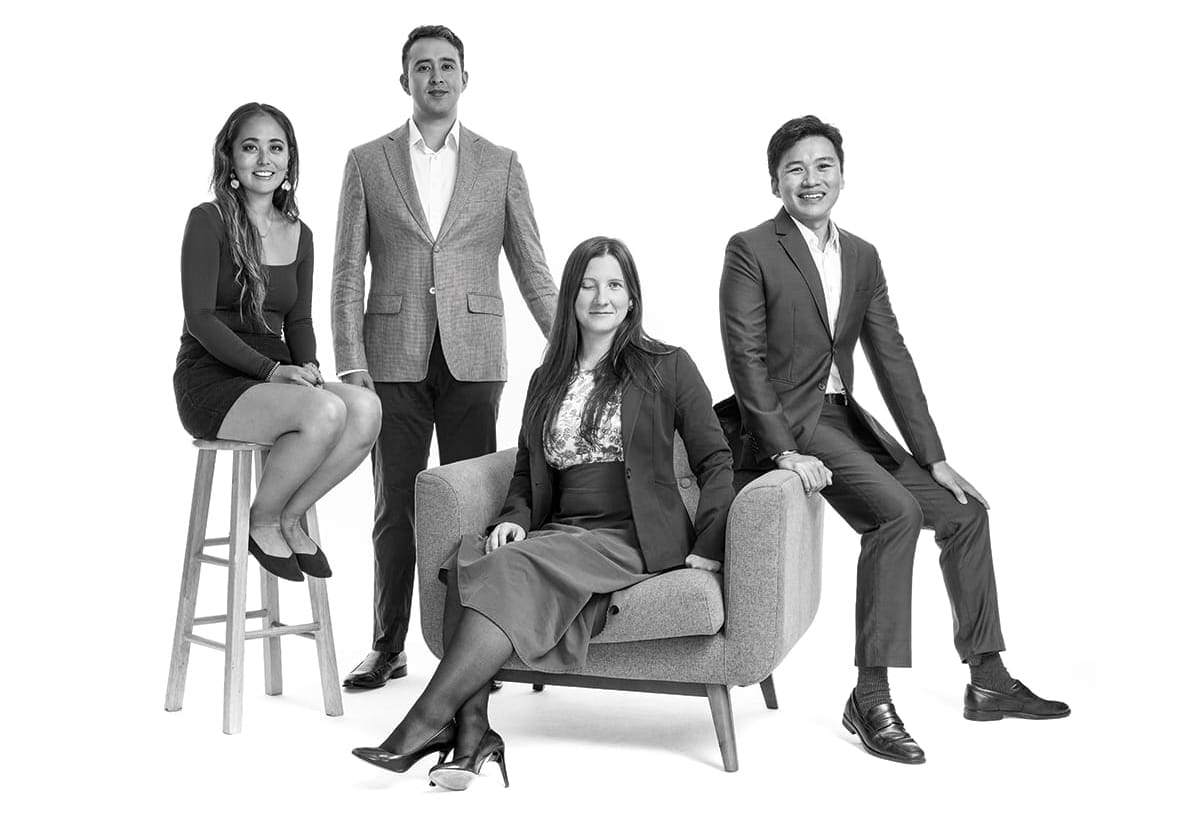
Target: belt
837,398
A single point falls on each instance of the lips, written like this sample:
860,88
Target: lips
811,196
263,173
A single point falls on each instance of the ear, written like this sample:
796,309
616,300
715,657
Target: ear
465,77
775,186
404,83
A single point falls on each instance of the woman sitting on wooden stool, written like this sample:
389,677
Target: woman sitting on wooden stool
247,365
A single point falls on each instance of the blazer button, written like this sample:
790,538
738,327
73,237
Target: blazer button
820,386
628,473
433,289
437,248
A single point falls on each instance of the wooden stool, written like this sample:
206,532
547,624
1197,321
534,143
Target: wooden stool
235,617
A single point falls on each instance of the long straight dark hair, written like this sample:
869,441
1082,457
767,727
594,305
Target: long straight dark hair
630,359
244,243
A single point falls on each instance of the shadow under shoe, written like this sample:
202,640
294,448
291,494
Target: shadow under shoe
882,732
457,774
441,741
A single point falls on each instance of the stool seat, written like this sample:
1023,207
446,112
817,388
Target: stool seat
228,446
246,457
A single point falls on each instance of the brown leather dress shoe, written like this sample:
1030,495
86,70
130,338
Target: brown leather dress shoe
1019,702
882,732
375,670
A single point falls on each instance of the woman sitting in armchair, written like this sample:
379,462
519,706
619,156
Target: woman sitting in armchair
593,508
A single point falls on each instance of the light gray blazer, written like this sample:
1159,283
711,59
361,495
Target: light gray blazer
421,282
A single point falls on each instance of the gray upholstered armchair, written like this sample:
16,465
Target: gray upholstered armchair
684,632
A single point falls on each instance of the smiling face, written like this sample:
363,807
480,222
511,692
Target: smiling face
603,299
808,180
260,155
434,78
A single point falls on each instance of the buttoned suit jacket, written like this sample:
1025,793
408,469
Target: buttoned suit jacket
420,282
779,346
649,421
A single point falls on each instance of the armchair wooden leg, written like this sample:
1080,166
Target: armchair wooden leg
539,687
722,712
768,691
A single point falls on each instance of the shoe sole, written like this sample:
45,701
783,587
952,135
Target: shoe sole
850,728
399,672
996,715
451,779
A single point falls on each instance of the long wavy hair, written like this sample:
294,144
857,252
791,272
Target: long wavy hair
630,359
244,243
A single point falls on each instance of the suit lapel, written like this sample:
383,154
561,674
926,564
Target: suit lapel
631,408
849,279
469,155
401,165
795,247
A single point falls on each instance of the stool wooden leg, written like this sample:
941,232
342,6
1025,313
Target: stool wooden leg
326,657
235,614
190,583
269,590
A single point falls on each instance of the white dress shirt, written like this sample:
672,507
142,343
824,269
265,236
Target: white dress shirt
829,267
435,173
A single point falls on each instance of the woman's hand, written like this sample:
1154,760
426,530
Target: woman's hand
503,534
702,563
312,368
294,374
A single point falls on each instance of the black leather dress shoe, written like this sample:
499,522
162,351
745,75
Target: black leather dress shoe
375,670
882,732
1019,702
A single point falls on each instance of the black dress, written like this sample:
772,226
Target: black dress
221,353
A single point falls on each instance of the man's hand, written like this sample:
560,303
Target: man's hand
959,486
702,563
503,534
813,474
359,378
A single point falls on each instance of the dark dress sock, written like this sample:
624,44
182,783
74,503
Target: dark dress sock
872,689
988,672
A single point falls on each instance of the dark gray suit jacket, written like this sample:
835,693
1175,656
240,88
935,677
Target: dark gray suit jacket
779,346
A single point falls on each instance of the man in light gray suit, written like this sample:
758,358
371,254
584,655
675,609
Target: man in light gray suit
431,204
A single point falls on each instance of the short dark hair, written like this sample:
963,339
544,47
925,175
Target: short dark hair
797,129
440,32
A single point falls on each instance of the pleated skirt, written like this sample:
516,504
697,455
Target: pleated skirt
549,592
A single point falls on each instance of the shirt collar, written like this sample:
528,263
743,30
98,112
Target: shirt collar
415,140
810,237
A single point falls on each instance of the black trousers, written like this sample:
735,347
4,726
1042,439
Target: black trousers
464,414
888,503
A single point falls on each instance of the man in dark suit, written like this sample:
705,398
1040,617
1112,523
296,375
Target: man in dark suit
797,295
431,204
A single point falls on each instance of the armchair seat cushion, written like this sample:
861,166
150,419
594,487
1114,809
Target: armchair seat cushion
683,602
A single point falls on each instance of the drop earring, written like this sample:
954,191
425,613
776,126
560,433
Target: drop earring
234,183
286,186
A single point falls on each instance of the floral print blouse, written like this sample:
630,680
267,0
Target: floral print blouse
566,447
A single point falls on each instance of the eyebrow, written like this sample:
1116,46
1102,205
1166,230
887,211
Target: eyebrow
272,140
423,60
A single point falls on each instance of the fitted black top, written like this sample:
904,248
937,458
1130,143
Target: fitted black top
210,297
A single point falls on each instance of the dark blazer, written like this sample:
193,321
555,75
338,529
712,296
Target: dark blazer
779,346
649,420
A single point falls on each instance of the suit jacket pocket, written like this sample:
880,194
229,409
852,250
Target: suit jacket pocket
384,303
485,304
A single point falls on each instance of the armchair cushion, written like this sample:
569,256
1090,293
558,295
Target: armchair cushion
683,602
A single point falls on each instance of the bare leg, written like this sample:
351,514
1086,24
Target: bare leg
359,432
477,651
303,424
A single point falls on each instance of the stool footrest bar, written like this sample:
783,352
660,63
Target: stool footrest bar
211,560
216,541
212,620
282,630
194,639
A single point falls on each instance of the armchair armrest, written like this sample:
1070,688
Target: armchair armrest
772,573
453,500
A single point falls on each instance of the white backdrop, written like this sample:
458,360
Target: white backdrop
1026,171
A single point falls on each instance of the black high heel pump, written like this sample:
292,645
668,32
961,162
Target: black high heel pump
457,774
441,741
